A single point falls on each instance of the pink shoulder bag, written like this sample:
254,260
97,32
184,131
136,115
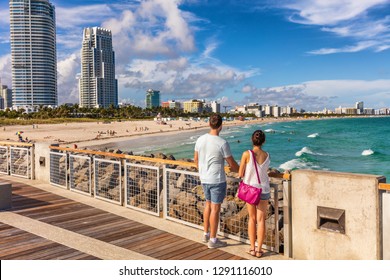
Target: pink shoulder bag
247,192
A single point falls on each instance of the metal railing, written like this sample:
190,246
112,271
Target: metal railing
58,169
143,187
108,180
17,159
4,160
163,188
80,174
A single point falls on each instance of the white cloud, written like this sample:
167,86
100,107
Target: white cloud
182,78
155,27
344,18
329,12
66,79
83,15
6,70
367,29
4,17
347,49
315,95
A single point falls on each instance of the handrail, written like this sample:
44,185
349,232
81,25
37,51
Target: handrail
8,143
384,187
285,176
123,156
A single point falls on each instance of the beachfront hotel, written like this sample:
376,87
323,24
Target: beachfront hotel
33,51
193,106
152,98
97,86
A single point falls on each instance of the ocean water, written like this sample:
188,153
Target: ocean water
357,145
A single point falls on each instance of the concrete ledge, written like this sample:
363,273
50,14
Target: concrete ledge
5,196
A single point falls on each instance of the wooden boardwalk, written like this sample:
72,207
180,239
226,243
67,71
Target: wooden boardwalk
84,220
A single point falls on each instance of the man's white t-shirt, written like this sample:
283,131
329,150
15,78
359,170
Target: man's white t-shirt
212,151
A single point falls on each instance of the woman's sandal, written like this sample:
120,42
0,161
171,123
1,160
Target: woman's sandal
252,252
259,254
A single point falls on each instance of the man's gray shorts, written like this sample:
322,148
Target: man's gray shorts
215,192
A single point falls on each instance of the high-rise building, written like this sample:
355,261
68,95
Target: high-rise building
152,98
359,107
97,85
216,107
6,97
33,52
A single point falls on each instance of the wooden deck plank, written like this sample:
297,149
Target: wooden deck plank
16,252
198,247
127,241
126,232
82,219
140,247
40,253
174,250
29,247
97,230
204,255
175,240
71,216
64,210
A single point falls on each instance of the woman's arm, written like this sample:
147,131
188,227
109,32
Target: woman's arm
244,161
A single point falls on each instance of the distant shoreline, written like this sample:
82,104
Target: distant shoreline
91,134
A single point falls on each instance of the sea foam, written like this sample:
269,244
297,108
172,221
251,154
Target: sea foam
314,135
304,150
293,164
367,152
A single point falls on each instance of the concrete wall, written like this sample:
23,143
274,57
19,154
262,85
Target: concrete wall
357,194
42,172
386,225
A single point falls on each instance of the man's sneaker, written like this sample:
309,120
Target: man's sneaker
205,238
217,244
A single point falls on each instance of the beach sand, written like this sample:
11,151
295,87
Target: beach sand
87,134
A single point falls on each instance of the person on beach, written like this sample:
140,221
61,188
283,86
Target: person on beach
247,171
210,153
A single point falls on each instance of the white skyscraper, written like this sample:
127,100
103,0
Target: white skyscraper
33,51
359,107
98,86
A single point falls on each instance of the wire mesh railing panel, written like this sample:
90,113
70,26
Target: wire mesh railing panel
20,162
80,174
185,200
108,180
58,169
143,187
4,160
234,213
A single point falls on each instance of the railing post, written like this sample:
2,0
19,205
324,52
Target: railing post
33,162
287,219
384,196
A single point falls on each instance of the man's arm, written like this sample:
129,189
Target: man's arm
196,159
232,164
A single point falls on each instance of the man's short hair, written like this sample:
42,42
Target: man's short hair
215,121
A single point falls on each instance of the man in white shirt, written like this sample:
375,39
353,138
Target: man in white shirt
211,151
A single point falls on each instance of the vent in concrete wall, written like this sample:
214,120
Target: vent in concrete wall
331,219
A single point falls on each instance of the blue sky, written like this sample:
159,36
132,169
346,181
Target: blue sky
308,54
